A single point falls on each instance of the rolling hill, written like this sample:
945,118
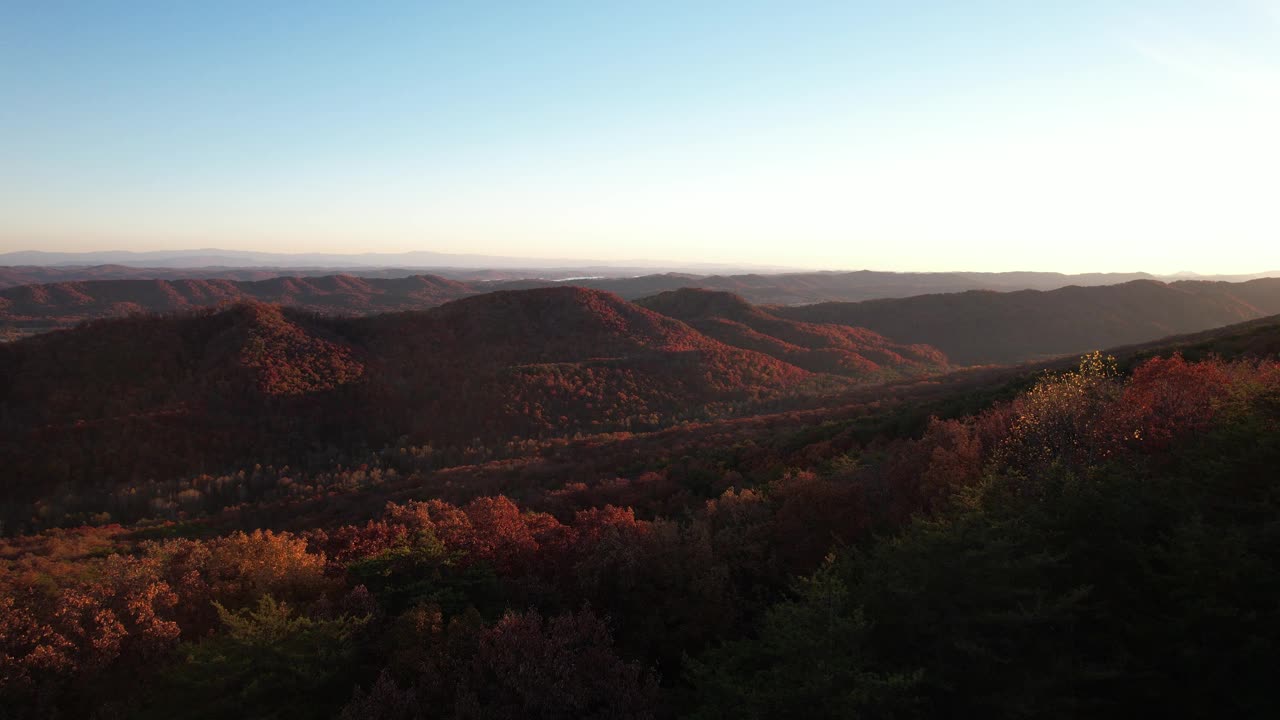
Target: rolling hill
823,348
983,327
160,395
39,307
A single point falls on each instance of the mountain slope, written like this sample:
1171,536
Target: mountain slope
825,348
161,395
970,327
562,359
987,327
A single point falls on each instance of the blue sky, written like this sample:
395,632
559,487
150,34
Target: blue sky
1073,136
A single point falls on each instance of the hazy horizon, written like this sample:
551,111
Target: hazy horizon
1100,137
212,257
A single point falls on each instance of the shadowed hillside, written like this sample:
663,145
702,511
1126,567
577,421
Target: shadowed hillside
988,327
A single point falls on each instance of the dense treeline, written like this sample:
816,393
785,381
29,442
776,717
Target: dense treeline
1101,544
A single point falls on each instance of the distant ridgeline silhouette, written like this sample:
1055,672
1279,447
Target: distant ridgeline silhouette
972,327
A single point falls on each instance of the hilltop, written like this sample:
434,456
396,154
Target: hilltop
826,348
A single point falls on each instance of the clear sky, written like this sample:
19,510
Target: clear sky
1071,135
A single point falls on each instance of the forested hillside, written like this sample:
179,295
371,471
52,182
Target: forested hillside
988,327
143,397
824,348
1096,541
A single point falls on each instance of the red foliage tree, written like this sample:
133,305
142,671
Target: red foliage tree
528,667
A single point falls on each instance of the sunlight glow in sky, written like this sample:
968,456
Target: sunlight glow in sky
1095,135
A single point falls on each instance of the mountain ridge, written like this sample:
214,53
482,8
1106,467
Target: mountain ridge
221,382
984,327
971,327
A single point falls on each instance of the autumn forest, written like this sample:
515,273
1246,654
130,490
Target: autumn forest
555,503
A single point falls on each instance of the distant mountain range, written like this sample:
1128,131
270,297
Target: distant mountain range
15,275
52,297
332,294
980,327
419,259
969,327
780,288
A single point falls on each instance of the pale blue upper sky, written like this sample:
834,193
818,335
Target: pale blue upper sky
1074,135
